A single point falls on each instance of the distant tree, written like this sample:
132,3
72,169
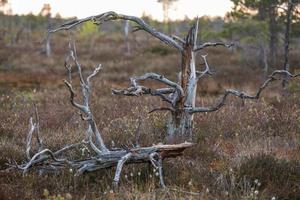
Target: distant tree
57,16
262,10
253,37
6,23
2,4
166,4
46,12
291,6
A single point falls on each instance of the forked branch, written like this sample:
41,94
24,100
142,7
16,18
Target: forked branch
156,162
136,89
84,107
206,71
243,95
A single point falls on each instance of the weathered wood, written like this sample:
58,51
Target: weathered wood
110,16
276,75
29,137
181,121
100,157
85,86
48,160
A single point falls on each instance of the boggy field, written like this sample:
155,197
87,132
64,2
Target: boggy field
246,150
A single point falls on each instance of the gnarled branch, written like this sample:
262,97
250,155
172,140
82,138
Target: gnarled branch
159,78
72,95
206,71
120,166
136,89
29,137
157,164
179,39
84,108
110,16
212,44
163,109
241,94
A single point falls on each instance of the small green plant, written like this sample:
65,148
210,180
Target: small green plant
88,29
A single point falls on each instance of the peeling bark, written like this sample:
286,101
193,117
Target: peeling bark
181,121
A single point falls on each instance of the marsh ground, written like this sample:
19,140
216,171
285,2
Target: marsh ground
246,150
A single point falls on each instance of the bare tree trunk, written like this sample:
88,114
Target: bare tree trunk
182,121
262,53
263,60
48,46
287,43
48,38
273,34
126,31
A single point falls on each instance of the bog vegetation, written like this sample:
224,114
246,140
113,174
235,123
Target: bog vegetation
243,150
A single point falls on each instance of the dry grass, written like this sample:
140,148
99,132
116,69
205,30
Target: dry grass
242,142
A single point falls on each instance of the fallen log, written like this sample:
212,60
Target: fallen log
47,160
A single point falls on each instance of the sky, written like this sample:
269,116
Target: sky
79,8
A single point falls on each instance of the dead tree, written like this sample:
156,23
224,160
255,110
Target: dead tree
166,5
46,12
180,96
100,156
183,94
